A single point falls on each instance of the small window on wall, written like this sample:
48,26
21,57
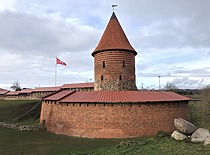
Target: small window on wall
120,77
102,77
123,64
104,64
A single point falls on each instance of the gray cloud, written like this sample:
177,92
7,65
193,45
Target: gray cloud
171,37
200,72
175,72
171,24
186,82
30,34
29,45
176,33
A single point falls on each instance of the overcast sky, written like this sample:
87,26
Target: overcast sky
172,38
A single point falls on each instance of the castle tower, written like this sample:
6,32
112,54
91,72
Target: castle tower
114,60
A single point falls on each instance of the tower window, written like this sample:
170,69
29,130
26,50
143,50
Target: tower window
123,64
102,77
120,77
104,64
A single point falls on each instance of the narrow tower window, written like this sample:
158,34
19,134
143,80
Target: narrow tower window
123,64
102,77
120,77
104,64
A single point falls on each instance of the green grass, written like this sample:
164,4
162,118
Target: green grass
19,111
152,146
44,143
41,142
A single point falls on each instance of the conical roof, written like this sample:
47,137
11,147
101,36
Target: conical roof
114,38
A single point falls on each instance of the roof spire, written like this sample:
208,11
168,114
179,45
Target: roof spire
113,6
113,38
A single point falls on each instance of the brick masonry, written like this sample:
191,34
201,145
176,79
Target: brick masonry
111,65
112,120
114,69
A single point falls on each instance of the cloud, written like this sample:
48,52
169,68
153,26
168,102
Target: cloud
176,33
29,45
7,5
26,33
173,63
186,82
171,38
172,24
200,72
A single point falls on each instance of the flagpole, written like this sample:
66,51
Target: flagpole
55,73
58,61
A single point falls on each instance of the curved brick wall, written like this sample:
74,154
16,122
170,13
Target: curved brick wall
112,121
112,69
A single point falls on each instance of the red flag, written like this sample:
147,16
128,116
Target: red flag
58,61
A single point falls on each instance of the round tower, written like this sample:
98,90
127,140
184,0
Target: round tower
114,60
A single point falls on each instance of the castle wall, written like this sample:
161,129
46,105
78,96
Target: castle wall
111,120
38,95
108,68
80,89
29,96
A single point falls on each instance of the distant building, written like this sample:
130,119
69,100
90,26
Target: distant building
12,95
40,92
3,92
88,86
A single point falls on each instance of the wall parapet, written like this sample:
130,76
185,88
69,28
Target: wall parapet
116,103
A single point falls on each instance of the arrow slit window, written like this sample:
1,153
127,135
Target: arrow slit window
123,65
120,77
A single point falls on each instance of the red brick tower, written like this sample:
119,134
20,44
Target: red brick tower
114,60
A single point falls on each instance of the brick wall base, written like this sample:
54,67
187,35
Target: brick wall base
111,120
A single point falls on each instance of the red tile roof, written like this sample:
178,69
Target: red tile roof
123,97
3,91
58,96
113,38
46,89
25,91
78,85
13,93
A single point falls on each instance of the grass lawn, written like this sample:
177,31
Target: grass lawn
41,142
44,143
19,111
14,142
153,146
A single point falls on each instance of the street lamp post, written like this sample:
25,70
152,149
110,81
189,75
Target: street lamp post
159,83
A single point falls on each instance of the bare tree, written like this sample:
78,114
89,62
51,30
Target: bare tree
16,86
205,92
170,86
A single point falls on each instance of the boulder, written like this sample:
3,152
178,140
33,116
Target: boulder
197,140
200,135
207,141
178,135
184,126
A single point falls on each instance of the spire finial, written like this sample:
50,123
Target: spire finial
113,6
